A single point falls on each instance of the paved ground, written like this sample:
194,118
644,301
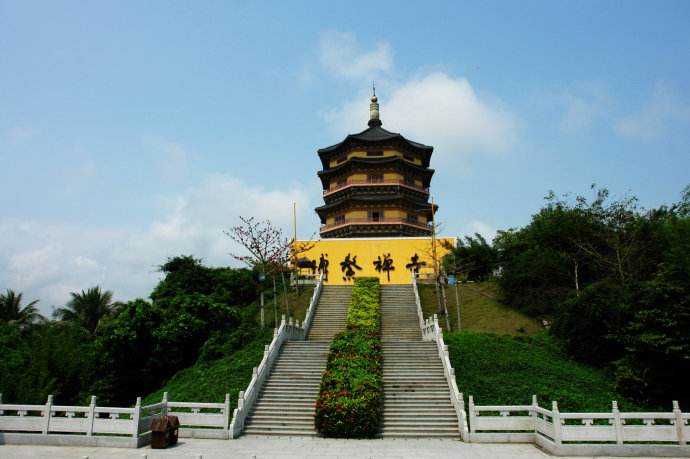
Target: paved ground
285,447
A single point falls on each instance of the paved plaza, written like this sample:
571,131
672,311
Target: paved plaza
285,447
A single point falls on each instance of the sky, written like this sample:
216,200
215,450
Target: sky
135,131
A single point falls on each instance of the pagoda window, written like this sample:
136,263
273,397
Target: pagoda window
408,180
375,178
342,181
375,215
411,218
375,153
339,219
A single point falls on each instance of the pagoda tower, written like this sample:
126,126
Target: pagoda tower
375,184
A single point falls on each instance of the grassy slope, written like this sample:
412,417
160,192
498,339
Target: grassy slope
210,381
480,310
502,369
298,304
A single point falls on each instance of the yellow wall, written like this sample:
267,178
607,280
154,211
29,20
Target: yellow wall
368,250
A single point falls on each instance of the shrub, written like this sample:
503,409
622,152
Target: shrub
350,398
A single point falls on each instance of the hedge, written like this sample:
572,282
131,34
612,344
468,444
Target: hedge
351,394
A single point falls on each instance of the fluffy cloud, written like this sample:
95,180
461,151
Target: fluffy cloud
656,117
46,261
439,109
340,54
582,105
486,230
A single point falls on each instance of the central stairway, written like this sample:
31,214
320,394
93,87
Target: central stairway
417,400
287,400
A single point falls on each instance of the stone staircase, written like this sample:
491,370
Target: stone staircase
286,403
417,400
331,313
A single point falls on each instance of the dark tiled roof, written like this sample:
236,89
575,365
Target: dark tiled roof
375,134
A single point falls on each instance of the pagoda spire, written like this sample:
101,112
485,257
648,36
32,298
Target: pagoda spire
374,119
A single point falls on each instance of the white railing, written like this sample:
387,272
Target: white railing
420,313
613,433
287,331
432,331
309,316
201,420
107,426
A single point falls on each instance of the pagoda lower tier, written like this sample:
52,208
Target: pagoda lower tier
362,214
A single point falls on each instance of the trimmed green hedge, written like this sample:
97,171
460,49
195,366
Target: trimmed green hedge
351,395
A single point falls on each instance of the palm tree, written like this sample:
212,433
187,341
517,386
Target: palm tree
11,309
87,308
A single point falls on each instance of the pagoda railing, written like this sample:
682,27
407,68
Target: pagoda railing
369,221
384,182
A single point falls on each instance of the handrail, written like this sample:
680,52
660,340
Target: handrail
309,316
288,330
420,313
432,331
566,433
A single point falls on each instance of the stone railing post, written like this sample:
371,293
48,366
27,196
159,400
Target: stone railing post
240,396
1,411
463,420
92,415
473,416
164,408
534,413
617,422
137,417
680,425
48,414
556,421
226,412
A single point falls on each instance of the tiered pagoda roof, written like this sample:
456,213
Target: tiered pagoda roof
376,183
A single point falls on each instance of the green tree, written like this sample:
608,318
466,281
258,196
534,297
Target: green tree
474,257
12,311
88,308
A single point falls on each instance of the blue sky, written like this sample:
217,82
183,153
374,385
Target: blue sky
133,131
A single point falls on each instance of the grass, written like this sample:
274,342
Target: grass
480,310
298,302
507,370
210,381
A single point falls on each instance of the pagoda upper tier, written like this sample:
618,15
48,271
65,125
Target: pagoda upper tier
375,183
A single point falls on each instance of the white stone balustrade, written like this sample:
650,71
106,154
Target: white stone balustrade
287,331
612,433
94,425
431,331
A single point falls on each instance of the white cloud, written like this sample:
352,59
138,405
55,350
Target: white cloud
486,230
47,260
21,134
340,55
656,117
438,109
582,105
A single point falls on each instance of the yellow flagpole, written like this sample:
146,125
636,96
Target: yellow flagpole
433,238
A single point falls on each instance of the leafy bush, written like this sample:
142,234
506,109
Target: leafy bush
350,398
364,311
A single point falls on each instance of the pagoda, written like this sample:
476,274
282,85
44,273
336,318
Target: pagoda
375,184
